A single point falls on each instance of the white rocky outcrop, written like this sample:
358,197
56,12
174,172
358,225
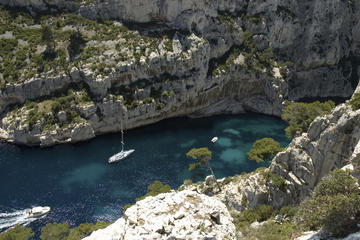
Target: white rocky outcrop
81,132
176,215
329,144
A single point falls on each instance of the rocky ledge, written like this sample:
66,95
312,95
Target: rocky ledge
176,215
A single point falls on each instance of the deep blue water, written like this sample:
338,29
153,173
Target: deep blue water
80,186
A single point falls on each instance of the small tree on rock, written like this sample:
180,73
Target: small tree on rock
334,205
263,149
47,36
300,115
203,155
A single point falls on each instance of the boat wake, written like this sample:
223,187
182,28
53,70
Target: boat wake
11,219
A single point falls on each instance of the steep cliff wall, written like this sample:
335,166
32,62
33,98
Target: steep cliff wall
215,57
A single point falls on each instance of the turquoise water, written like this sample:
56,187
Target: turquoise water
80,186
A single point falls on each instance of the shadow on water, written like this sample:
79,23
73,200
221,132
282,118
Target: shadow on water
80,186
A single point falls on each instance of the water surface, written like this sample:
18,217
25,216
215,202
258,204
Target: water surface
80,186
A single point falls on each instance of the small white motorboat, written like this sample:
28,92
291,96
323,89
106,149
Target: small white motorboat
214,139
38,211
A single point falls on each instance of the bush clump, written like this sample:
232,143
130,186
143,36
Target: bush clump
299,115
85,229
334,206
154,189
273,231
277,180
17,233
55,231
355,102
263,149
270,230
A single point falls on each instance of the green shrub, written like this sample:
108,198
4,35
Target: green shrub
355,101
126,206
334,206
289,211
50,121
263,149
55,231
85,229
273,231
188,181
71,115
7,46
277,180
299,115
169,46
17,233
154,189
29,104
159,105
261,213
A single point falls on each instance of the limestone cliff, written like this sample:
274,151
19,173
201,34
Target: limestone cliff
211,57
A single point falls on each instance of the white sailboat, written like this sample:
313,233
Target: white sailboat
124,153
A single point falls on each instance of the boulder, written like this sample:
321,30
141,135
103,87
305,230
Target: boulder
81,132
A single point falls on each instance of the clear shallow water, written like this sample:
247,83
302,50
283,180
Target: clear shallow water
80,186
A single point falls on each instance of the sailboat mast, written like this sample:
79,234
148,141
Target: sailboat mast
122,136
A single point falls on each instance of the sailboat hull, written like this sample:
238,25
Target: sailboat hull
120,155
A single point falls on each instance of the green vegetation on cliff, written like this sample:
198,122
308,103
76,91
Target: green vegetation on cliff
154,189
54,44
275,179
263,149
355,101
299,115
250,57
17,233
45,112
53,231
269,230
203,156
334,206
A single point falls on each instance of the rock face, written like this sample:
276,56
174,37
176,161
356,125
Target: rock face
177,215
319,38
329,144
81,132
